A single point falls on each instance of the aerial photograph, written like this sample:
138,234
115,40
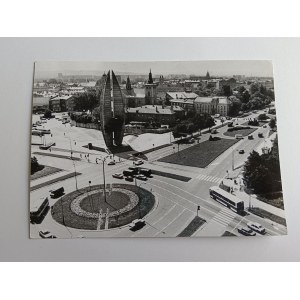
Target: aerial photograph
154,149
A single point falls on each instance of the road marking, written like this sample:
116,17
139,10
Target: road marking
162,230
208,178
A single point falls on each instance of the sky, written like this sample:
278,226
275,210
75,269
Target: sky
214,67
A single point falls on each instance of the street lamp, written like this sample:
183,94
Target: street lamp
103,161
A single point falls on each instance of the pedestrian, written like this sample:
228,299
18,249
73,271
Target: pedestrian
75,143
80,155
64,133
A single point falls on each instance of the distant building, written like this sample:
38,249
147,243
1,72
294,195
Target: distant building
151,113
132,98
182,99
63,103
150,91
40,104
212,105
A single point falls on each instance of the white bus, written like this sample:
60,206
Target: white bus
227,199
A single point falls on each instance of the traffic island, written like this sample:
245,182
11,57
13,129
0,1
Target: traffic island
88,209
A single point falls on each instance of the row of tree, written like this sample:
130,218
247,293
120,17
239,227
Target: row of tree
262,172
192,123
258,97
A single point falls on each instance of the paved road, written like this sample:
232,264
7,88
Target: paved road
176,201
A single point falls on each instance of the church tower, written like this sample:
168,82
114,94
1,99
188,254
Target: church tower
129,89
150,91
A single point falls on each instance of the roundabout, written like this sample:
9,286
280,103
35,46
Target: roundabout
88,209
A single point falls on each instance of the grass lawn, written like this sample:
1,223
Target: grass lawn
64,177
195,224
62,213
200,155
243,132
47,170
259,124
265,214
170,175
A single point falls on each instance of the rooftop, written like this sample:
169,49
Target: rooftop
151,109
182,95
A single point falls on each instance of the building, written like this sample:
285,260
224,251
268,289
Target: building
182,99
151,113
150,91
212,105
40,104
132,98
62,103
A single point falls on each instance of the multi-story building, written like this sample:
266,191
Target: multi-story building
63,103
212,105
182,99
151,113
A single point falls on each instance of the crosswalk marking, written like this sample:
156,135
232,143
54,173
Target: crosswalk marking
209,178
224,217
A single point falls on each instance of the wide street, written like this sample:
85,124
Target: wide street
176,201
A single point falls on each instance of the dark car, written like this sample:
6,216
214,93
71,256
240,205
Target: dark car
246,231
241,152
129,178
137,224
46,235
57,193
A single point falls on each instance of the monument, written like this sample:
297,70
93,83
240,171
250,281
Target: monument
112,112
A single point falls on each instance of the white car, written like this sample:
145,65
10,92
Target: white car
138,162
256,227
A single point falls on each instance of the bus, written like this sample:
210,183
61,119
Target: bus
39,210
227,199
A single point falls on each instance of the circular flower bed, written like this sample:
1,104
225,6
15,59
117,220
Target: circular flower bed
87,208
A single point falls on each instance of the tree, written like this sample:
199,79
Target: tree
235,107
48,114
254,87
227,90
272,123
86,101
210,122
35,166
262,117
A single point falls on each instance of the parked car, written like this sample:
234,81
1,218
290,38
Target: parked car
138,162
129,178
238,136
250,137
111,163
256,227
265,126
246,231
137,224
260,135
214,131
46,235
241,151
141,177
117,175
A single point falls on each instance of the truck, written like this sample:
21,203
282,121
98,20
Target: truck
146,172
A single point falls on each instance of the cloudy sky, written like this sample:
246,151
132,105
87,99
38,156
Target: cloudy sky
215,68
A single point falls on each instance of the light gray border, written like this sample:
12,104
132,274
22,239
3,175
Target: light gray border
16,75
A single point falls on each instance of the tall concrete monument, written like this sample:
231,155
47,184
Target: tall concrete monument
112,111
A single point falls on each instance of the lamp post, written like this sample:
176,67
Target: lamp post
103,161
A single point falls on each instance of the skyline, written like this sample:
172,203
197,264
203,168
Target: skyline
256,68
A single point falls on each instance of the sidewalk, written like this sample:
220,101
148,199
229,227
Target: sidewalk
238,191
